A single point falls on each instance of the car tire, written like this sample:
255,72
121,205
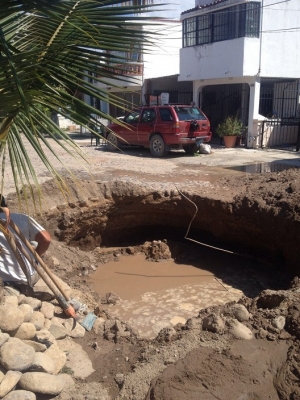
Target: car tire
190,148
157,146
113,143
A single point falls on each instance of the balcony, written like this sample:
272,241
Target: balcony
125,69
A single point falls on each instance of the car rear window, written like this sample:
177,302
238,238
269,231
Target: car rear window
188,113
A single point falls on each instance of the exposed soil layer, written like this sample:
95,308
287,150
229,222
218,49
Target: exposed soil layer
257,216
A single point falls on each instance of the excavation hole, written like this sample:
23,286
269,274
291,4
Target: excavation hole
157,291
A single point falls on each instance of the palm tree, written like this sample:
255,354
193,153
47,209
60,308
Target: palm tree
48,51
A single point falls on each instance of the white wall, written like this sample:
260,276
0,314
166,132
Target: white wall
163,58
275,54
280,55
230,58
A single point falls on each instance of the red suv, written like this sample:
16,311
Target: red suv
161,128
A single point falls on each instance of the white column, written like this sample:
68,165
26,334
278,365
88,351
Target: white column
197,88
252,135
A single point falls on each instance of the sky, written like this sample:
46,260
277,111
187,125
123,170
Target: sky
164,59
175,7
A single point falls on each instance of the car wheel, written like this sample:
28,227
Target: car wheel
190,148
113,142
157,146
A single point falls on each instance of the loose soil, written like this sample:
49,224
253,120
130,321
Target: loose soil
124,214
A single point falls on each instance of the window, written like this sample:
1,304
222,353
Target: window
189,28
204,29
133,117
188,113
165,114
148,115
228,23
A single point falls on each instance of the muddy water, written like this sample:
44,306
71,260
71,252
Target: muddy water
132,276
156,295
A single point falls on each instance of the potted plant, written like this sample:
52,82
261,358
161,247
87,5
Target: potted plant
229,129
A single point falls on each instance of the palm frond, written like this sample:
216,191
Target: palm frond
48,51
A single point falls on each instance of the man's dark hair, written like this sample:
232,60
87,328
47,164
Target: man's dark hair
3,201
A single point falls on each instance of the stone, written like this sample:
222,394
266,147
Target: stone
27,311
110,298
21,297
55,262
74,329
47,310
45,337
9,381
98,326
16,355
213,323
239,330
3,338
11,291
38,320
11,301
279,322
78,361
47,324
58,321
240,312
35,345
20,395
42,363
58,357
26,331
34,303
59,332
10,318
41,382
1,376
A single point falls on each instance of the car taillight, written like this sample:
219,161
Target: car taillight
176,127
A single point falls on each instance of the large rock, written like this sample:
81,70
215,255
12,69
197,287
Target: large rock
26,331
240,312
3,338
98,326
58,357
10,318
11,301
9,382
58,331
74,329
40,382
16,355
47,309
34,303
279,322
20,395
213,323
78,361
38,320
239,330
45,337
43,363
35,345
27,311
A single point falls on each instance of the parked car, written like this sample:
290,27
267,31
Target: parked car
161,128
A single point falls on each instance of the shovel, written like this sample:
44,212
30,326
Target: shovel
45,273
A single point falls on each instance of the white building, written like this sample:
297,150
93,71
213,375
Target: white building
243,58
161,59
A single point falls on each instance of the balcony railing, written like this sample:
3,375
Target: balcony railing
128,69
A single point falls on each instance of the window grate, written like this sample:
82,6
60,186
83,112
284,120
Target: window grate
229,23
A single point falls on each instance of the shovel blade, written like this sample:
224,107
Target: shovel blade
88,321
